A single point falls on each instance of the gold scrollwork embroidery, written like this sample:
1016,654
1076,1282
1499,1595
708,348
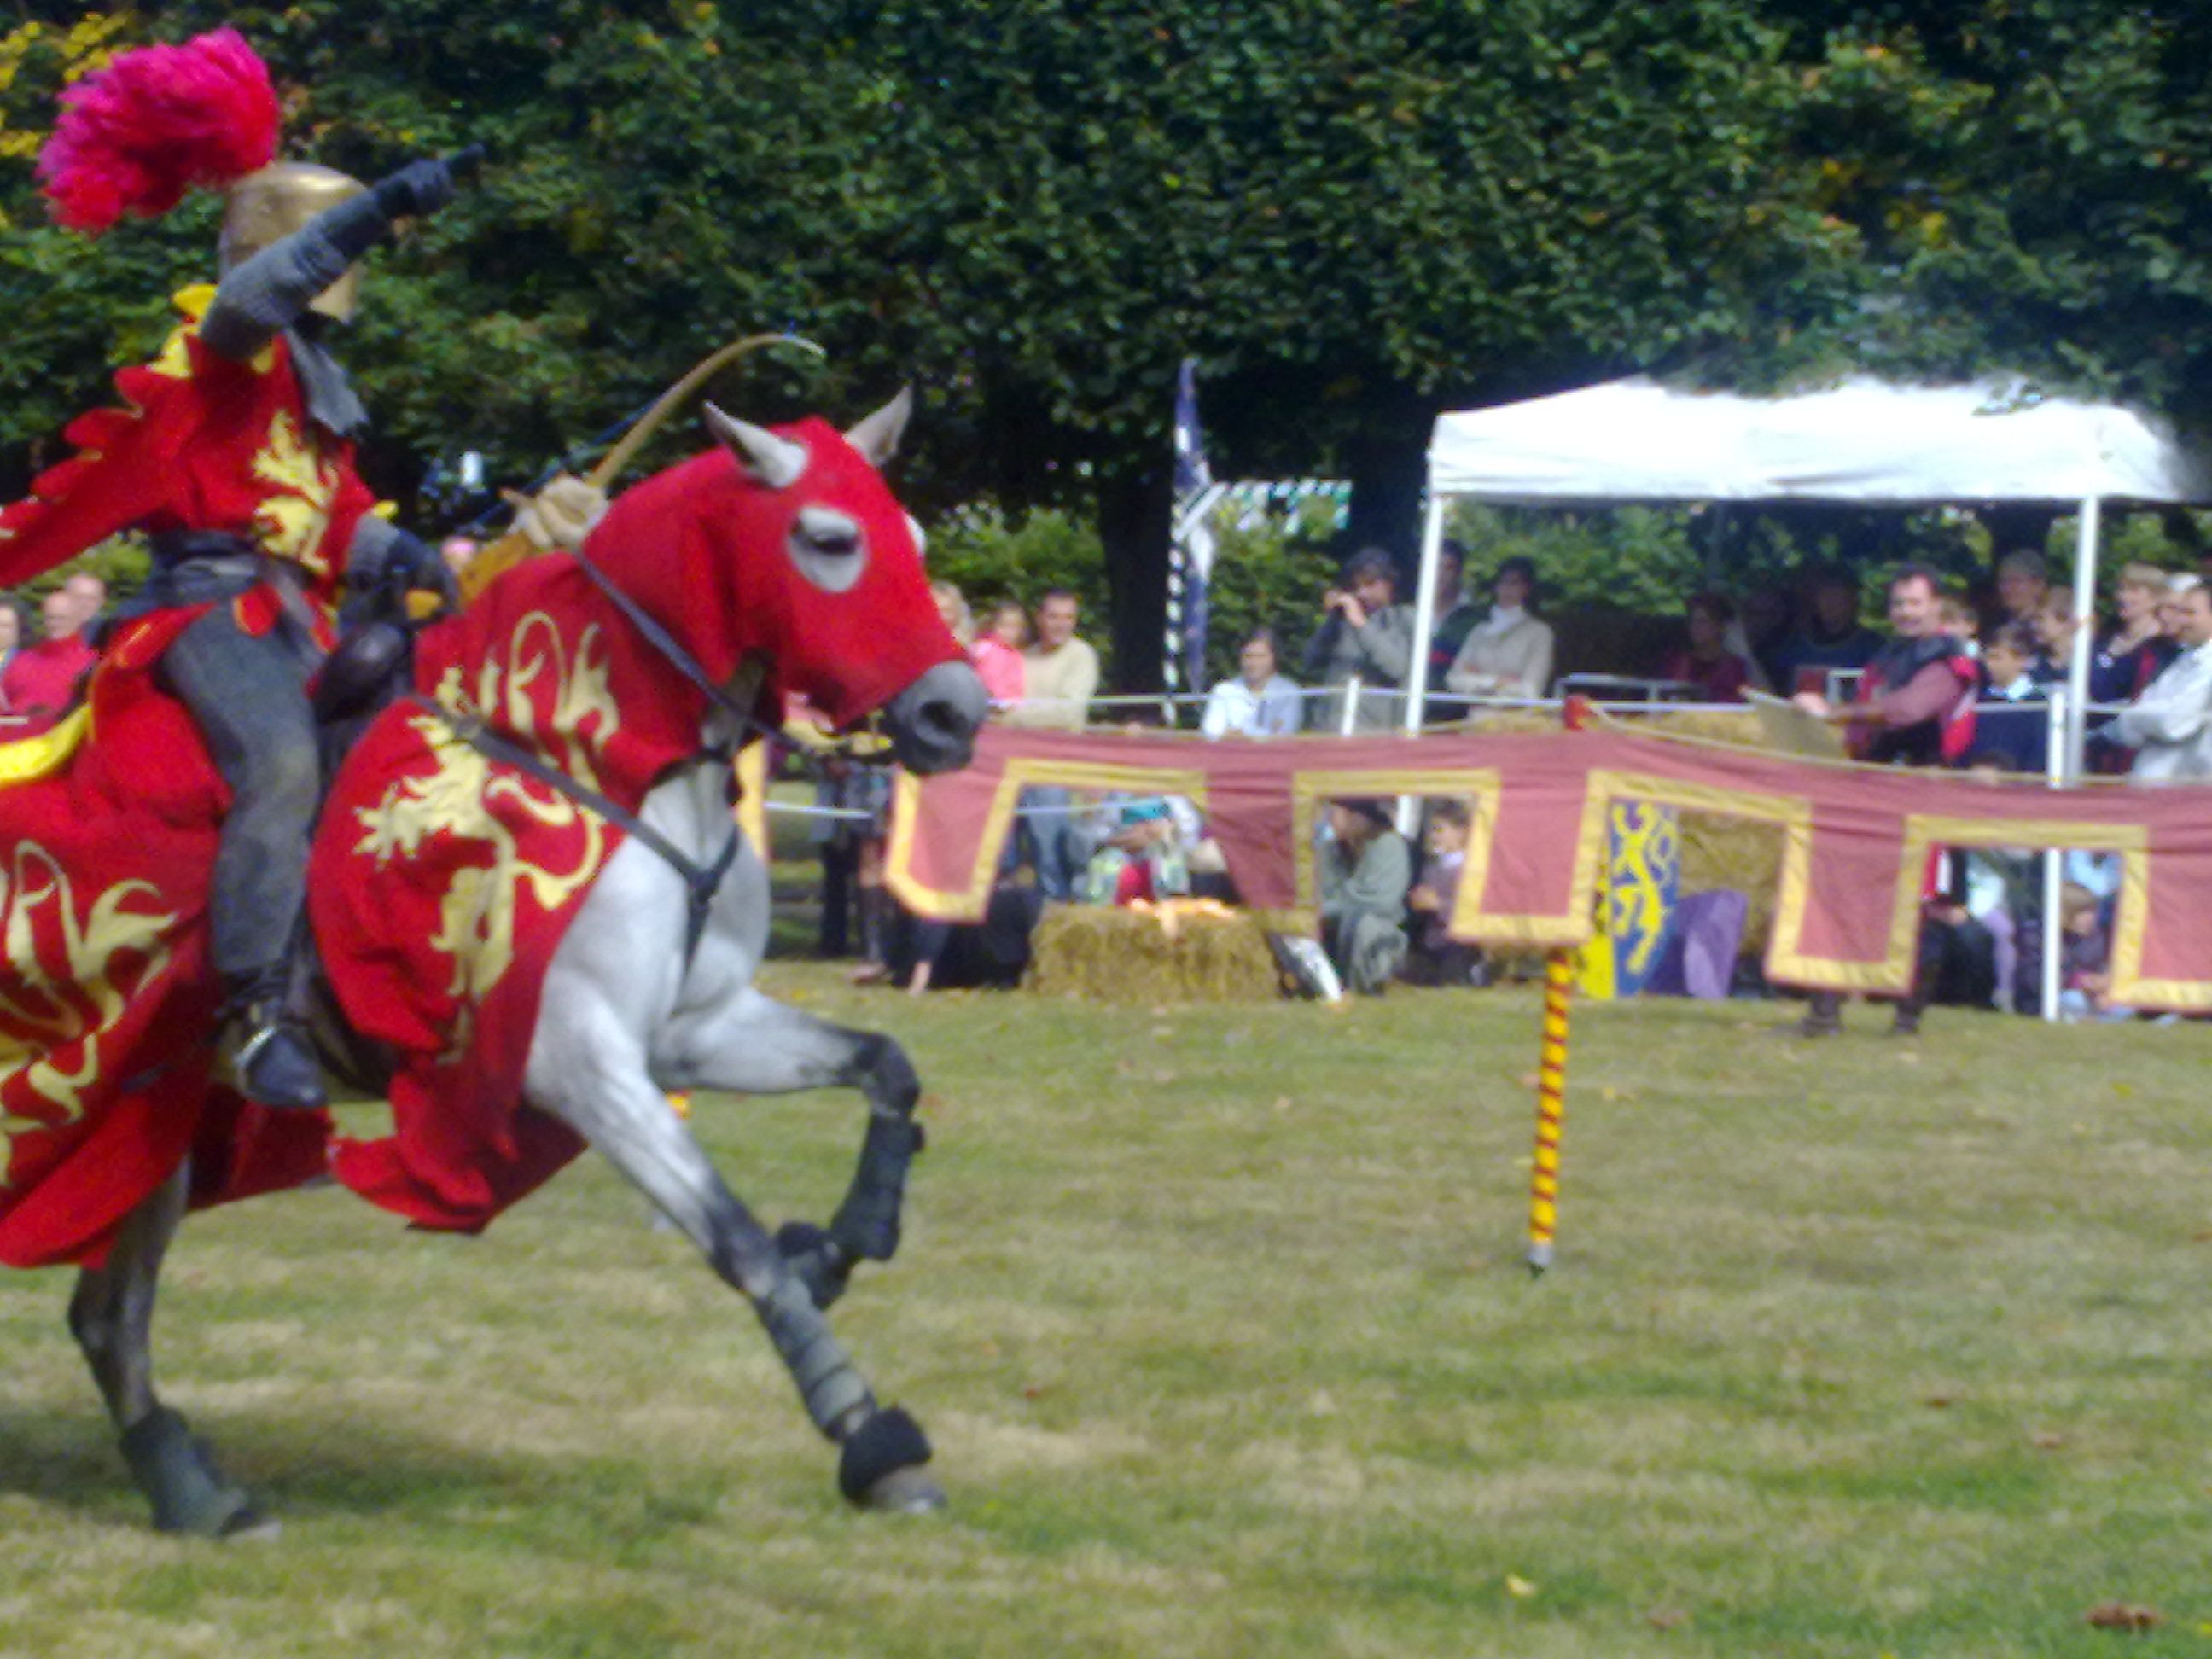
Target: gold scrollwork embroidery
571,727
64,984
291,521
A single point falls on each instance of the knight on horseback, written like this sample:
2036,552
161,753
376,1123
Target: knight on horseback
236,458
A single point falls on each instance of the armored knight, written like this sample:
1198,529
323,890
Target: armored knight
235,454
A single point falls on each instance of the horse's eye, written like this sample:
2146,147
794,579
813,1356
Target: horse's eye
829,547
837,542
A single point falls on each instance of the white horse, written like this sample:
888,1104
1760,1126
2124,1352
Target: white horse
628,1014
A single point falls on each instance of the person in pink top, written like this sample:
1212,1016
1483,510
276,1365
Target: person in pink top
998,655
41,679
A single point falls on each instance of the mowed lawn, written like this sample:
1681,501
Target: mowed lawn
1219,1320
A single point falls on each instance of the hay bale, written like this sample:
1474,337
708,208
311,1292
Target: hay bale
1183,950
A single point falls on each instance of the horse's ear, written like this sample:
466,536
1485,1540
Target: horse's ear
773,461
876,437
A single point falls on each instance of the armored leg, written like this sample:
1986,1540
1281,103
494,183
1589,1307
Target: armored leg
248,694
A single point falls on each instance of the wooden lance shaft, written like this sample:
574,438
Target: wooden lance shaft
1551,1107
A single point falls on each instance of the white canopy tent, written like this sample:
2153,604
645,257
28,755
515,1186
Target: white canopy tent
1865,441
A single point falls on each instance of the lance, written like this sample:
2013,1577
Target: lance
1551,1075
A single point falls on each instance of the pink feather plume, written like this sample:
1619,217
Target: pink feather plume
157,122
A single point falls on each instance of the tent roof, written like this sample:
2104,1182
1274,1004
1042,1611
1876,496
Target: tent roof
1864,440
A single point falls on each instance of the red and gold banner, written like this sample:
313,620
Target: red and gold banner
1855,839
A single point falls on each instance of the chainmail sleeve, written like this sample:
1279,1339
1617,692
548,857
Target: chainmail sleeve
261,297
258,300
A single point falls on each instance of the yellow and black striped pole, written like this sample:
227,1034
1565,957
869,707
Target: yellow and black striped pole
1551,1107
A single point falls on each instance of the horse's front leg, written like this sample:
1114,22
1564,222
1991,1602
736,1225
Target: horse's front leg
752,1044
588,1067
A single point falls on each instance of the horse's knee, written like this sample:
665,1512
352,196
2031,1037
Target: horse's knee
888,1075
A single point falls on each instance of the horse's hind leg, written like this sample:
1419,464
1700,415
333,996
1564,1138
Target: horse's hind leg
112,1316
579,1071
755,1045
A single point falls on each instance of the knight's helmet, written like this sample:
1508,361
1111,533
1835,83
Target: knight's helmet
268,205
159,121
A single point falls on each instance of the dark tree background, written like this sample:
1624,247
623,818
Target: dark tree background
1355,215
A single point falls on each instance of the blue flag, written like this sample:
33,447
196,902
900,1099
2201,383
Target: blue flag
1194,537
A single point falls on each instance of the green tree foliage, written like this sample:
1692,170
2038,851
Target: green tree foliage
1354,215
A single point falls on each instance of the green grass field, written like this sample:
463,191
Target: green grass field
1219,1322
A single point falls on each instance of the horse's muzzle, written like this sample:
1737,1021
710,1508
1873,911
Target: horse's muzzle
934,721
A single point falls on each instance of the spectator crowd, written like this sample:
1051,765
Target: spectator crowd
1957,679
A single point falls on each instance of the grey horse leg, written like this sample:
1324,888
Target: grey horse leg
755,1045
112,1316
626,1118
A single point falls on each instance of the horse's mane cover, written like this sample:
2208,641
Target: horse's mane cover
701,547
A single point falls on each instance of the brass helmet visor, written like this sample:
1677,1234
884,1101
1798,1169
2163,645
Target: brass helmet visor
267,206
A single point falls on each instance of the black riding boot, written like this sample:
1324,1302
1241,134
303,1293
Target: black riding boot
271,1053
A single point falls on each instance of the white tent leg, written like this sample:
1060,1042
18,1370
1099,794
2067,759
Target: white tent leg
1425,612
1425,627
2085,623
2054,753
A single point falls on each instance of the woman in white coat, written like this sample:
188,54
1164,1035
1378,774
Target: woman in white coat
1509,652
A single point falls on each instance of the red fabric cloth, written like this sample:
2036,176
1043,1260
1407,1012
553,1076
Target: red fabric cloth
106,995
440,886
40,679
201,443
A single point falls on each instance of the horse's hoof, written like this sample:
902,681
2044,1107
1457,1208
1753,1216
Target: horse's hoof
879,1466
905,1491
181,1480
251,1523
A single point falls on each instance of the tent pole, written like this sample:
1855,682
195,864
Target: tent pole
1424,612
2055,743
2085,623
1425,627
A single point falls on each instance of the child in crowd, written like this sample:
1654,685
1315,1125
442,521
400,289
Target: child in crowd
997,653
1436,958
2085,953
1956,618
2022,732
2054,636
1143,853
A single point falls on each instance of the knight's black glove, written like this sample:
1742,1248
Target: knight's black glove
418,188
356,225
